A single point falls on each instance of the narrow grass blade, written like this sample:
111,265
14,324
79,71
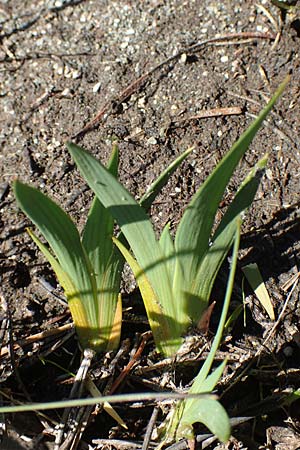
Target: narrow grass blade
199,380
253,275
118,398
233,318
222,240
192,238
147,199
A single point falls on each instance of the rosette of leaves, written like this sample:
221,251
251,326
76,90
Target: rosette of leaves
88,267
175,276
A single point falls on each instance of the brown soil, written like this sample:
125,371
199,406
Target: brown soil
62,62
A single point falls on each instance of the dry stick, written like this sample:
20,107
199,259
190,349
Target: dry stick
116,443
145,337
137,84
79,424
76,390
37,337
150,427
214,112
153,418
123,350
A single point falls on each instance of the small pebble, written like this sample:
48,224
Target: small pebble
96,87
152,141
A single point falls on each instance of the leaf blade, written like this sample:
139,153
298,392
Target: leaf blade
253,275
135,226
106,261
161,325
192,237
148,198
62,235
223,237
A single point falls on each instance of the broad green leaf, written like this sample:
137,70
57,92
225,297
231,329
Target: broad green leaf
60,232
147,199
87,334
194,230
106,260
222,240
75,304
212,414
163,327
136,227
253,275
167,245
98,231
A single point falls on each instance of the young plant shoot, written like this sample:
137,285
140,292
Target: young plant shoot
175,277
89,268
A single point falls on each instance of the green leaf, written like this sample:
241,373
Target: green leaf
160,324
202,375
106,260
137,229
73,296
222,240
72,265
194,231
62,235
212,414
167,245
208,384
200,386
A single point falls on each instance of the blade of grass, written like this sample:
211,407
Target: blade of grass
199,380
116,398
148,198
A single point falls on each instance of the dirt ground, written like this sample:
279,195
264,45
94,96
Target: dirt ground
64,63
